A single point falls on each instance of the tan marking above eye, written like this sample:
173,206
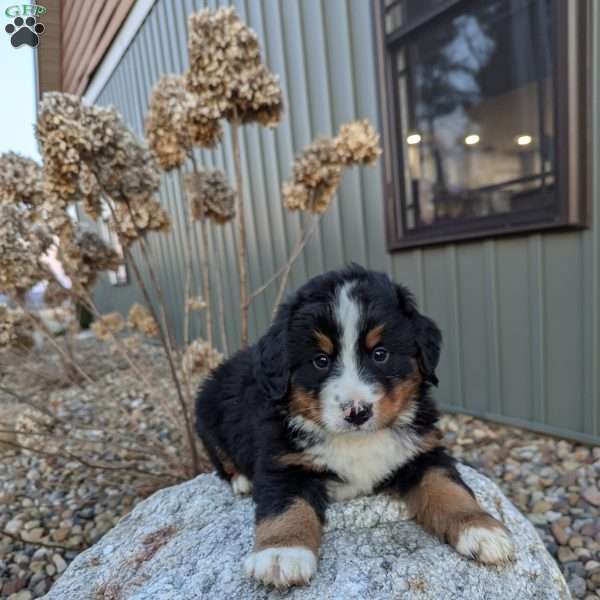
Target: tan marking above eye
374,336
324,342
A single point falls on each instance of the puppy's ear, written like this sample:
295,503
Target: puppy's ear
271,366
428,336
429,343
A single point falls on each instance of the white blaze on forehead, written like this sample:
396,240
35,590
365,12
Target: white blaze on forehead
345,384
347,313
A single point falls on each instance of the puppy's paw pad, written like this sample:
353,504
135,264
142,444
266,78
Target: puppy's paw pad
487,544
281,567
241,485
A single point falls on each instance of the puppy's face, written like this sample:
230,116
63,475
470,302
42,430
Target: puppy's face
357,355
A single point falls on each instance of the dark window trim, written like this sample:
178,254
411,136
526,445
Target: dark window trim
573,172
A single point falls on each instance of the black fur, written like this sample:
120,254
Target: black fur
242,408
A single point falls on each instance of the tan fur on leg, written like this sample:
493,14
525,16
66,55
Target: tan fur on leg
447,510
286,547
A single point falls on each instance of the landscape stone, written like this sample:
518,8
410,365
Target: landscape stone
189,541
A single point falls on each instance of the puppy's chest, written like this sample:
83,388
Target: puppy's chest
362,461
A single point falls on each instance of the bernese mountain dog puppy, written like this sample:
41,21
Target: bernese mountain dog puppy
333,402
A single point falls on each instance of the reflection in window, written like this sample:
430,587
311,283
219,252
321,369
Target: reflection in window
475,107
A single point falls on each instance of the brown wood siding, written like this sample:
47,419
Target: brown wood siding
48,51
88,28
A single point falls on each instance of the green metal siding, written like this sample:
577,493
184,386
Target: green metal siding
519,315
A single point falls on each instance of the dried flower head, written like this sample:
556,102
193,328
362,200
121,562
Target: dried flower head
21,182
141,320
196,303
226,71
16,329
317,171
83,256
176,121
137,217
317,174
87,149
20,252
200,357
108,325
210,196
358,143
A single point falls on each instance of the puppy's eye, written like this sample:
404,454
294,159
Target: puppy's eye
380,354
321,361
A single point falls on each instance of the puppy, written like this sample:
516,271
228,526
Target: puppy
331,403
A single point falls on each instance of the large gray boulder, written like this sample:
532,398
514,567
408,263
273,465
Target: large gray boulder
189,541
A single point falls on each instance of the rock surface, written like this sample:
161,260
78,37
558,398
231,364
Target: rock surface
188,542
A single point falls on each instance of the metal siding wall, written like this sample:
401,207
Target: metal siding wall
519,315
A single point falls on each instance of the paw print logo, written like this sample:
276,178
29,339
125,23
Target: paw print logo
24,31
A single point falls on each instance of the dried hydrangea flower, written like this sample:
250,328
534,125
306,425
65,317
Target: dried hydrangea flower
210,196
200,357
79,141
108,325
20,252
176,121
358,143
83,256
196,303
226,71
16,329
137,217
317,171
21,181
141,320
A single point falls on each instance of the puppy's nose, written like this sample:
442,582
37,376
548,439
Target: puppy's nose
357,414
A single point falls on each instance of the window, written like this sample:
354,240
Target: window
483,116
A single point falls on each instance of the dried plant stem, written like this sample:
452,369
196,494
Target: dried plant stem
167,348
168,353
241,239
89,303
86,463
187,259
206,282
304,237
205,267
223,332
69,363
285,269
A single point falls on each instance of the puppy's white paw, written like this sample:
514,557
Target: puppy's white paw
241,485
281,567
490,545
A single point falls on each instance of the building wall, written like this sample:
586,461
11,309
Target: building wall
519,315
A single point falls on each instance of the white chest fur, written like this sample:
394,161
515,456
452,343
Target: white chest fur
363,460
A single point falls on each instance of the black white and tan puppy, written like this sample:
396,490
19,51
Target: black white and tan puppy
333,402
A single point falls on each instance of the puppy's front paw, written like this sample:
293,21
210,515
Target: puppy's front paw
281,567
241,485
488,541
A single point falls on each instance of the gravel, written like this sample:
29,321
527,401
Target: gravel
553,482
62,506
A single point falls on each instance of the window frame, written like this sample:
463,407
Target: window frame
572,195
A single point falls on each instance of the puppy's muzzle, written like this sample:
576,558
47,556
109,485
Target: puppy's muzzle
358,413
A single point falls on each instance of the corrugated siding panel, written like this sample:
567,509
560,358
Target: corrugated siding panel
520,316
